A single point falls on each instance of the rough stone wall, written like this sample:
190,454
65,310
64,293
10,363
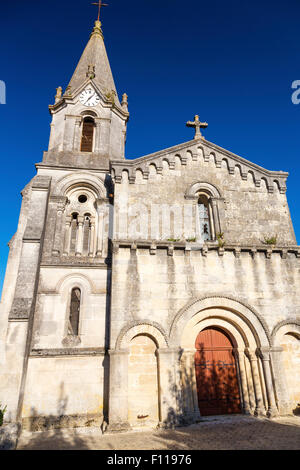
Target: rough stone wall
155,287
249,208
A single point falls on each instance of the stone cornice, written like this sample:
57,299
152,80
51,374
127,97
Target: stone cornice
188,247
199,150
62,352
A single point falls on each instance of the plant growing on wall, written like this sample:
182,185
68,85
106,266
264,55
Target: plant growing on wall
2,413
221,240
271,240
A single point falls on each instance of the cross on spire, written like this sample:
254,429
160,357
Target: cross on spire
197,124
100,4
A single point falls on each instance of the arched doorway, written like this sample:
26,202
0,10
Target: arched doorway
216,373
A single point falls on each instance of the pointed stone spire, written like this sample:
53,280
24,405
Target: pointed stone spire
94,58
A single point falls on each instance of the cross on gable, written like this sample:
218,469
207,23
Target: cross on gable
197,124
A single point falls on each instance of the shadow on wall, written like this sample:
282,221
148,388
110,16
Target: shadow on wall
217,390
296,411
55,425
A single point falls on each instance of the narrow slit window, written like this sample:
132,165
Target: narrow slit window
204,218
87,135
74,312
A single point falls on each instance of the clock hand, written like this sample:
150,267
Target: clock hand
90,97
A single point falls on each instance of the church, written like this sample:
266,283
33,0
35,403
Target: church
148,292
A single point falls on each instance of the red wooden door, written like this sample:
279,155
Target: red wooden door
216,374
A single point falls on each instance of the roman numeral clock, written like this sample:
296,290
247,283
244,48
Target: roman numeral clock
89,97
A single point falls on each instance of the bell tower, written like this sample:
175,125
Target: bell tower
88,119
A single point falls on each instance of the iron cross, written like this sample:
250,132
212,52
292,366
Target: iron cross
197,124
100,4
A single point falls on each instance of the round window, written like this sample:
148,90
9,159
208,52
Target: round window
82,199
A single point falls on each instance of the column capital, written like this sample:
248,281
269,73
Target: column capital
276,349
264,354
251,354
100,202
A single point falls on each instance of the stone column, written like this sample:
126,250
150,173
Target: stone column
259,410
266,361
79,243
92,237
215,216
169,393
97,135
250,388
58,227
280,380
68,233
118,386
240,362
189,393
77,134
100,212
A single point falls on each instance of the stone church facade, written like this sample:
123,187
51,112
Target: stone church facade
150,291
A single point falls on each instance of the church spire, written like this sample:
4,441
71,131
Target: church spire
94,58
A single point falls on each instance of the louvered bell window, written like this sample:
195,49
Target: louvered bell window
87,135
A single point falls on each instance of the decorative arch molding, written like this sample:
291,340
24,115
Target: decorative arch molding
80,179
142,327
244,311
89,113
212,190
75,280
237,335
291,325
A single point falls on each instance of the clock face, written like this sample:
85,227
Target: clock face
89,97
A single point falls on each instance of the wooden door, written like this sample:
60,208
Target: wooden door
216,374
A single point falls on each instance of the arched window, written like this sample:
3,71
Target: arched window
74,224
74,314
205,218
87,135
86,233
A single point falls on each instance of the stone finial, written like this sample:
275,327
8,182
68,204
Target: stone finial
97,31
68,90
124,103
58,94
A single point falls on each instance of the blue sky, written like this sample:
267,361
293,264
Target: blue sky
233,63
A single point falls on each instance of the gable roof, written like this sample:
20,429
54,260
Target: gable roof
198,148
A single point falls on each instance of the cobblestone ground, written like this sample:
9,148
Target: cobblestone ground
214,433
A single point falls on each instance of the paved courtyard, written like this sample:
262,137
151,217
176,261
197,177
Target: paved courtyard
214,433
